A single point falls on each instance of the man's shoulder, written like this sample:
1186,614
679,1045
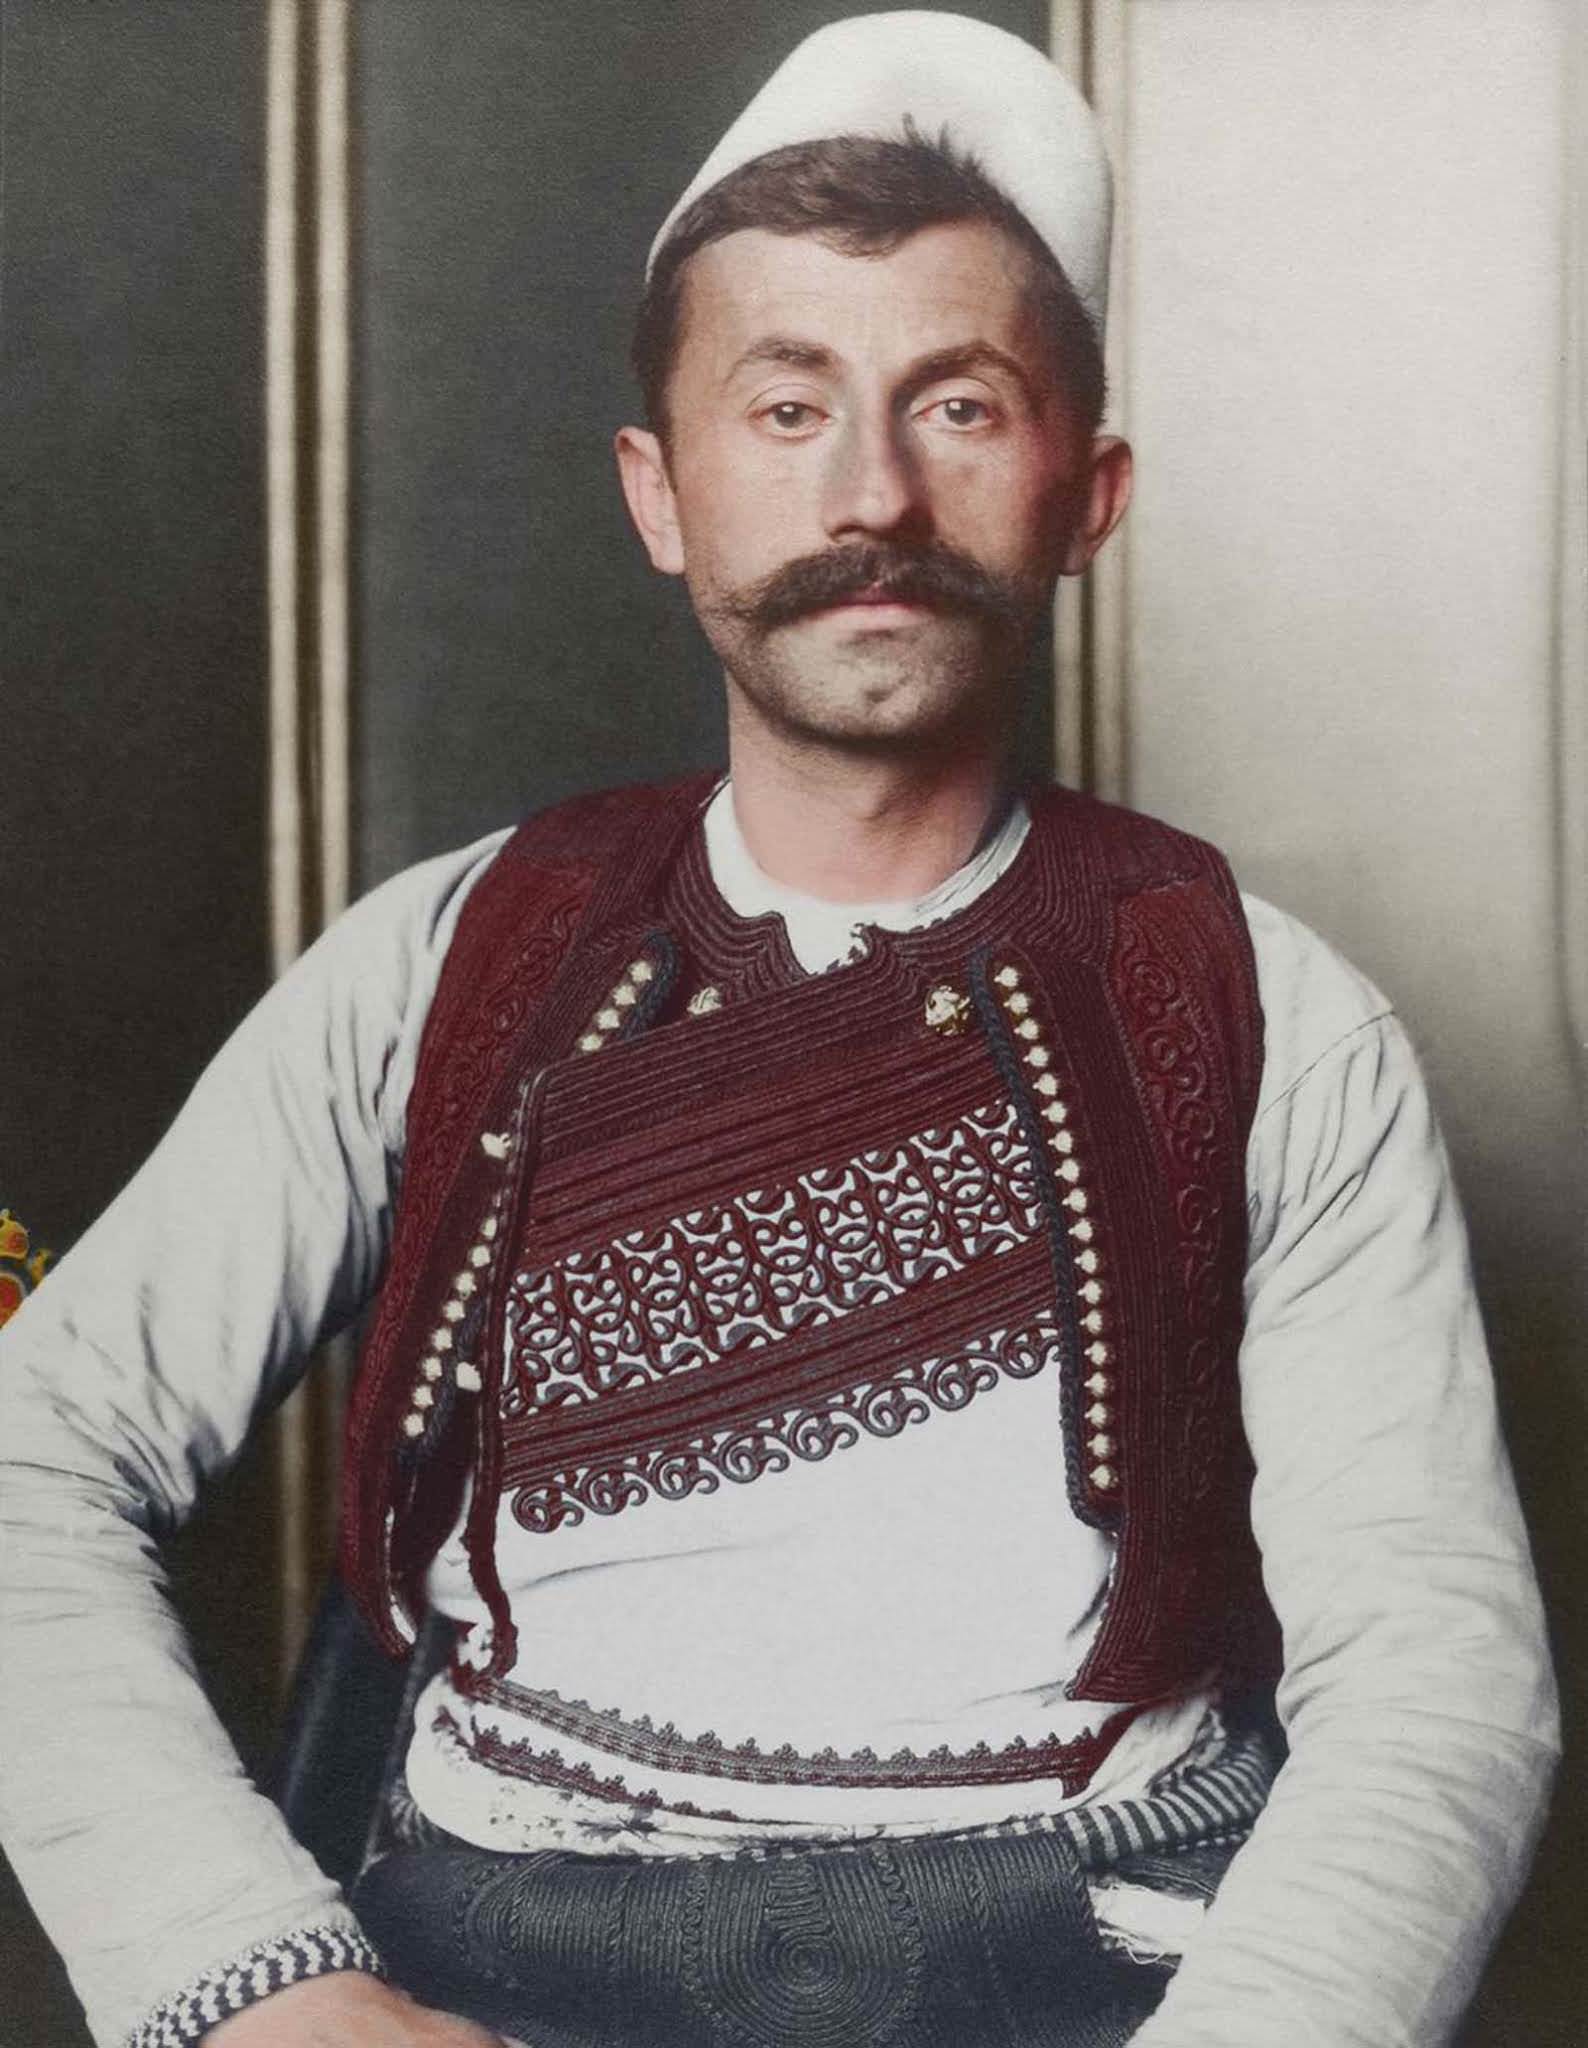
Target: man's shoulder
1137,850
368,978
417,909
1314,1001
591,856
409,914
598,825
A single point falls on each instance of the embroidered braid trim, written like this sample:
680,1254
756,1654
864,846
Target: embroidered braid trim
1209,1799
639,1741
268,1966
770,1442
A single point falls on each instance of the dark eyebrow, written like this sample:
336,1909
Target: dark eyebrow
785,349
972,355
795,354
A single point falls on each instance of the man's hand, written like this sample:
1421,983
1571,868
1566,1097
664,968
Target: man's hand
345,2010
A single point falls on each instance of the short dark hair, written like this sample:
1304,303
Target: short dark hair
863,195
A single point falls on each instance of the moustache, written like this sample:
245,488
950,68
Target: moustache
931,574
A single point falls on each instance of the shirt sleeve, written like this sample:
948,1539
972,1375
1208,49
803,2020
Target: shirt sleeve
1417,1694
127,1381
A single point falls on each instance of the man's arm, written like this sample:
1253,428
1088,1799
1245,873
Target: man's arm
127,1381
1417,1694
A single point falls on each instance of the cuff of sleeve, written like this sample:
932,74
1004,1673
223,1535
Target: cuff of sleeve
228,1988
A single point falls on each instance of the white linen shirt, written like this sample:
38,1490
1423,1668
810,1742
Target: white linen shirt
1417,1694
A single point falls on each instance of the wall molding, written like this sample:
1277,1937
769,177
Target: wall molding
1090,39
1570,664
285,794
308,375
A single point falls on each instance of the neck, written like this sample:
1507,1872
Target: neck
855,827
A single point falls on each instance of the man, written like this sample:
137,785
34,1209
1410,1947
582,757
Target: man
881,1263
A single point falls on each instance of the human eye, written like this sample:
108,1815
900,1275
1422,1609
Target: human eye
789,419
961,411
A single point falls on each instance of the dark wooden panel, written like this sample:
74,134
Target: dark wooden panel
131,651
131,785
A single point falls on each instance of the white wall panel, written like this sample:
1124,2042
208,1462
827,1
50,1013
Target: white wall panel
1355,597
1345,398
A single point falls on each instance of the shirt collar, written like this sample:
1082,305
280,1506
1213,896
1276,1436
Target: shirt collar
823,934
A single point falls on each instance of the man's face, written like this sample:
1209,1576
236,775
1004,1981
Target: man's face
872,481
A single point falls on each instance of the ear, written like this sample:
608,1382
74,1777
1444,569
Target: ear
642,465
1106,494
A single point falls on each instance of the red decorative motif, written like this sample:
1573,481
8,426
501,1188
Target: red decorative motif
748,1272
1193,1029
469,1036
1053,1109
774,1442
521,1759
664,1365
1189,1092
497,999
638,1741
461,1070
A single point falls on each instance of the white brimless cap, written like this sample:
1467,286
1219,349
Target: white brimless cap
997,97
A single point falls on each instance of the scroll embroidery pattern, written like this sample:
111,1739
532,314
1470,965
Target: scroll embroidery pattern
720,1287
674,1298
1184,1086
809,1433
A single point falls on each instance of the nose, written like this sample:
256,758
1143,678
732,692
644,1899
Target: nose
874,484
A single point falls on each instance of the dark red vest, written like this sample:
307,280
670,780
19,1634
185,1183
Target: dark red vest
1110,967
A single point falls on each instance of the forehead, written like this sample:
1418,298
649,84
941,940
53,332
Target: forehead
945,287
